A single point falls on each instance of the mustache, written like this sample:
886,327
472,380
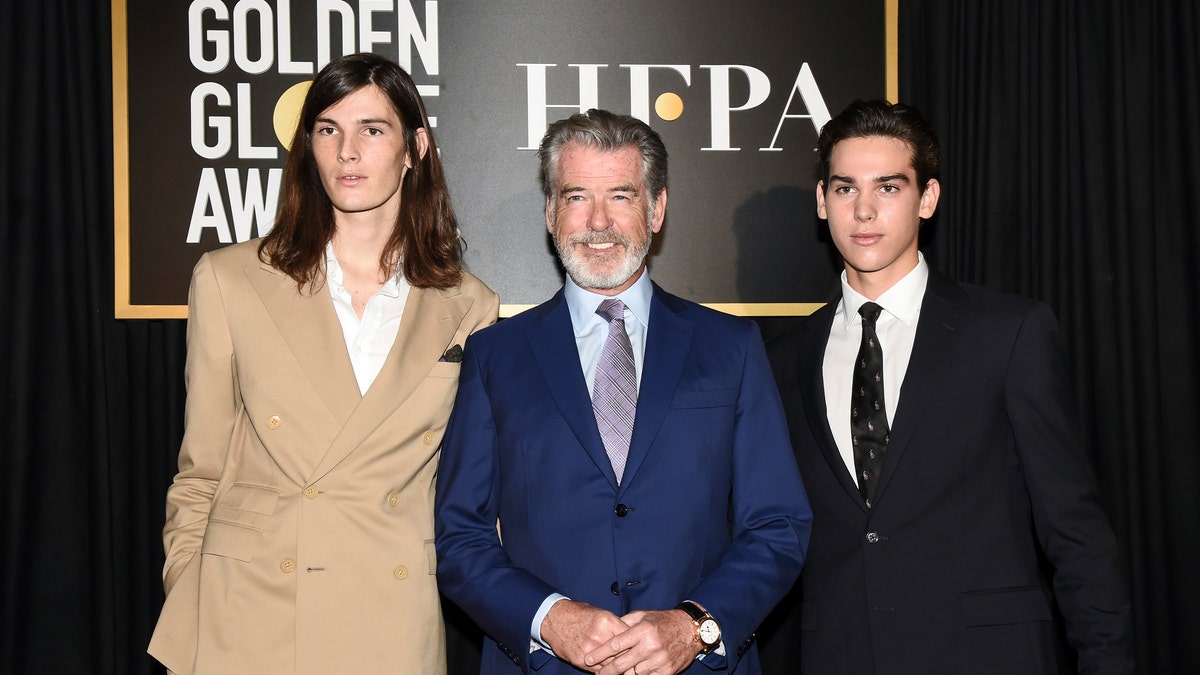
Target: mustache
606,237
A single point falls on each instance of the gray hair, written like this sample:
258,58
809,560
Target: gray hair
605,131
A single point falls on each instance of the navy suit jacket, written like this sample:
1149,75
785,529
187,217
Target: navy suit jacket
711,507
984,472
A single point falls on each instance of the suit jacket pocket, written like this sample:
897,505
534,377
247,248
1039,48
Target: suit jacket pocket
715,398
431,555
1004,606
235,525
445,369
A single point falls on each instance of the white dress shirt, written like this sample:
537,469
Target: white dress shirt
896,328
369,339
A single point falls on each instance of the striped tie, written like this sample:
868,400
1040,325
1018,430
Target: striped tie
614,394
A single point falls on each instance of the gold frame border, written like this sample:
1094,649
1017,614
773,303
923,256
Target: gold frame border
891,47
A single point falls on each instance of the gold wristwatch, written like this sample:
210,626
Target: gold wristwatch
708,632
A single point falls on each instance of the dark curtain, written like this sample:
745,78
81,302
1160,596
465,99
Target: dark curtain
1072,132
1072,157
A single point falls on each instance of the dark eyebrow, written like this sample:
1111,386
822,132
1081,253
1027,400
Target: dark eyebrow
371,121
892,178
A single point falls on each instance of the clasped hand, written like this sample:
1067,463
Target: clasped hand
640,643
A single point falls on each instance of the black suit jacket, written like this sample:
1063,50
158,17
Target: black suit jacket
983,468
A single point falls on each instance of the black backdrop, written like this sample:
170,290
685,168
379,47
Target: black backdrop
1072,134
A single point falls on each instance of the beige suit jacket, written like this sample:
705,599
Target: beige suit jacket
299,533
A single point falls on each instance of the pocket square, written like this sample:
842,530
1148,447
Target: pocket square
452,355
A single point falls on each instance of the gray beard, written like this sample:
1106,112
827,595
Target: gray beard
577,268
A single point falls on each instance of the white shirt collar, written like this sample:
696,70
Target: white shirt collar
902,300
333,272
583,303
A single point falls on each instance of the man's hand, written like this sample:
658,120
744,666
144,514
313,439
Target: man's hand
574,629
660,642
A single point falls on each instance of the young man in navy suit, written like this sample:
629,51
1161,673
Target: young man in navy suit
616,493
935,428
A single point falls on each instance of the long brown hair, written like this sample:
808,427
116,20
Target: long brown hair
425,238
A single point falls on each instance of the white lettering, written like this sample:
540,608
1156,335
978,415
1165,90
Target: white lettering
257,206
410,36
246,147
325,11
197,36
283,8
368,37
219,123
251,206
760,89
208,201
589,96
241,47
806,84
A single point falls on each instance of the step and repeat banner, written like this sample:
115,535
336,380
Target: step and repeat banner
204,91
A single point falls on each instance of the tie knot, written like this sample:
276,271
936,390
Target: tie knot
612,310
869,312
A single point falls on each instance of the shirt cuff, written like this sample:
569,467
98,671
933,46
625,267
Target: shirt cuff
535,630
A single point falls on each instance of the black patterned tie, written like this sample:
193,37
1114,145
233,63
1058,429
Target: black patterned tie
868,416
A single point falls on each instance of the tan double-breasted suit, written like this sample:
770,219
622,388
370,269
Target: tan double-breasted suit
299,534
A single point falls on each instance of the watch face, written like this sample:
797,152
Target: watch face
710,633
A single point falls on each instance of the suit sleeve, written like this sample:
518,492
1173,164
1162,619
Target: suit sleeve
473,569
210,412
1069,519
771,517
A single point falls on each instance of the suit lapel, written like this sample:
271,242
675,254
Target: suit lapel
812,380
937,335
310,328
431,318
552,341
668,342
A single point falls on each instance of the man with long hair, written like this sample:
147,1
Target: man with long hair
322,365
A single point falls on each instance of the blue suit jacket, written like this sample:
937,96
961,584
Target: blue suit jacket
711,507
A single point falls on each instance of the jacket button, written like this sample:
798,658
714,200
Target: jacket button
273,422
622,510
393,499
400,572
613,589
311,492
287,565
427,438
872,537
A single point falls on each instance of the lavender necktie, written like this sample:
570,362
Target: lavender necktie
614,393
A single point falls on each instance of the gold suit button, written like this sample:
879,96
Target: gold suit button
393,499
287,565
427,438
400,572
273,422
311,492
